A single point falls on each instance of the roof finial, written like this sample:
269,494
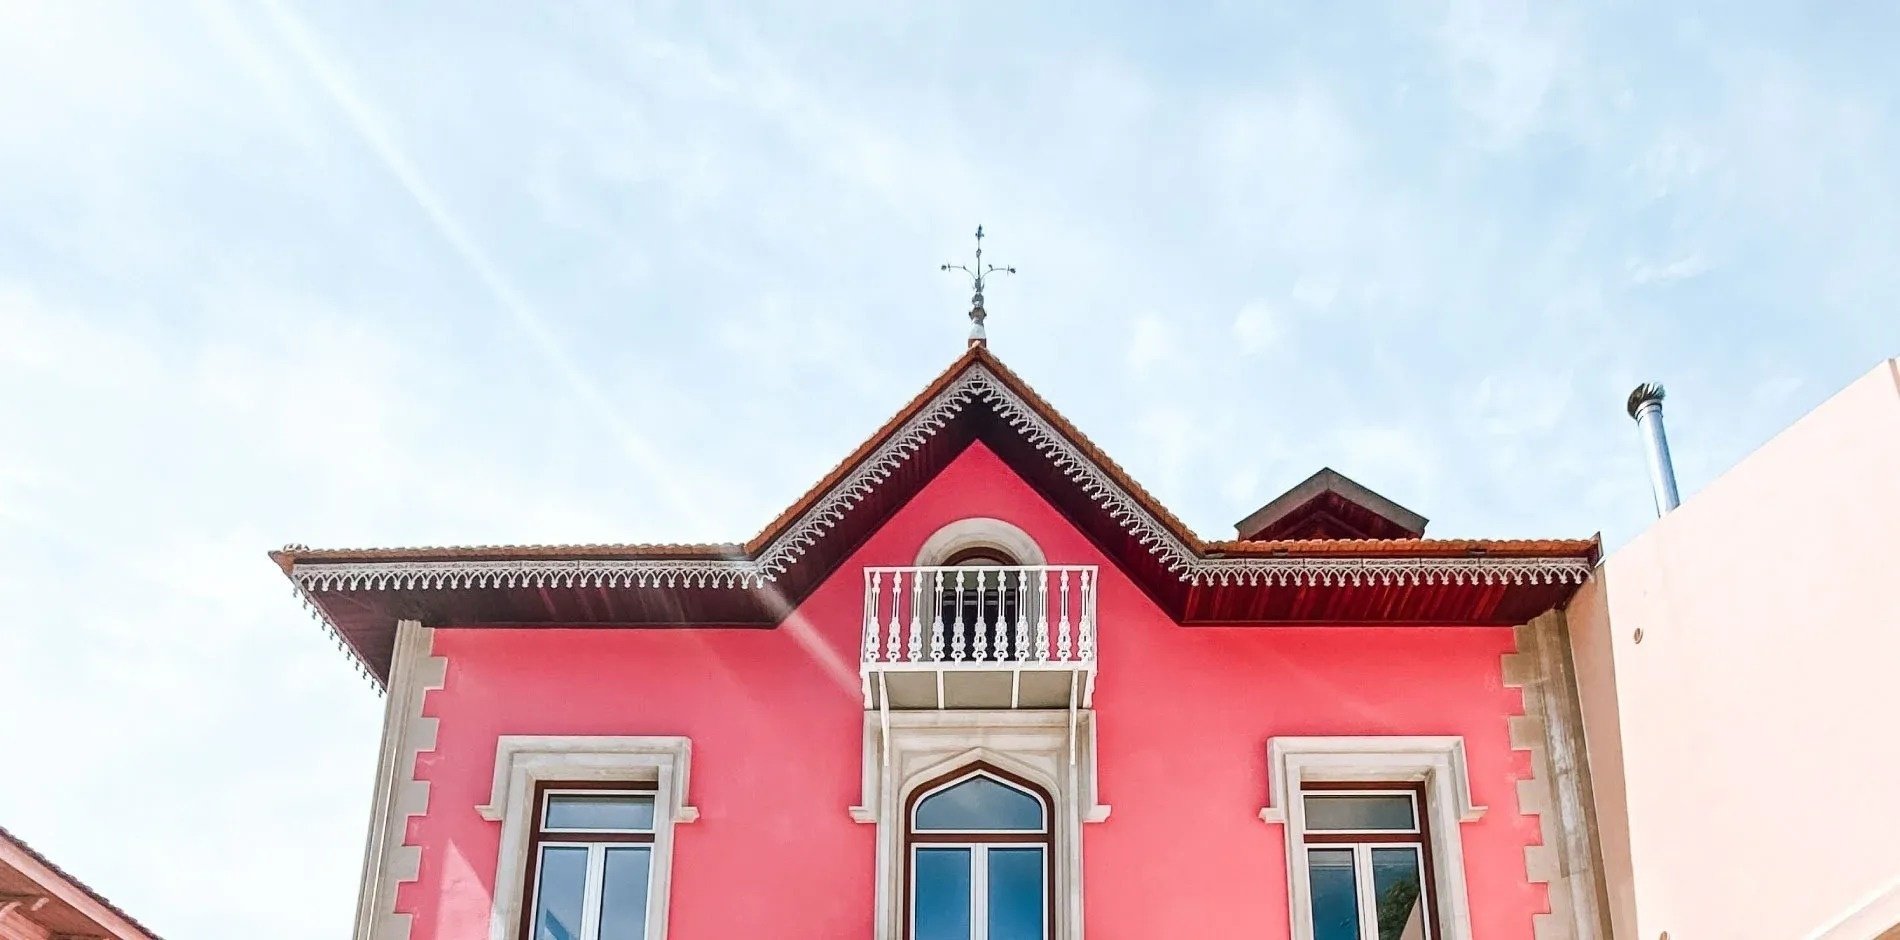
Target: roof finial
978,275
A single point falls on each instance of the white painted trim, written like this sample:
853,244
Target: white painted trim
980,532
1032,744
387,860
1438,762
522,761
1558,791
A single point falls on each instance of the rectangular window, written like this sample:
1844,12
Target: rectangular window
592,853
1368,861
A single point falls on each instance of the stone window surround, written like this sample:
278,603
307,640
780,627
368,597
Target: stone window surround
1033,744
980,532
523,761
1437,761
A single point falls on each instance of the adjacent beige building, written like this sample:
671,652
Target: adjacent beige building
1738,671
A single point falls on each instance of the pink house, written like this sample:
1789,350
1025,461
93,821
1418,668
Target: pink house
977,684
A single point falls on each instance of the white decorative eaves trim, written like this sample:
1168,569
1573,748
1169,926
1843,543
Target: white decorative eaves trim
1384,571
448,575
309,602
976,384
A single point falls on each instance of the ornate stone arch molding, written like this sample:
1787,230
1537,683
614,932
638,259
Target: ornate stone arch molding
925,746
980,532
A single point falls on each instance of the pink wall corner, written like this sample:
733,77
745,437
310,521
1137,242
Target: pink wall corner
1184,715
1754,723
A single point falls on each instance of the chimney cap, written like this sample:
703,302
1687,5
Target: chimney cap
1644,394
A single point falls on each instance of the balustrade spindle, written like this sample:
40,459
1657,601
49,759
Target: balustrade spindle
1042,616
936,623
1062,639
982,632
916,647
1086,649
895,649
1022,615
999,622
956,636
876,583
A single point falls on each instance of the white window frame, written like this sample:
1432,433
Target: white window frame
1363,890
979,854
1437,761
595,878
1036,745
979,882
524,761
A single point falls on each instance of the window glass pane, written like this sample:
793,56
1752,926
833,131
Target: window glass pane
1359,812
1016,895
563,883
623,894
1335,894
603,811
980,803
941,898
1396,889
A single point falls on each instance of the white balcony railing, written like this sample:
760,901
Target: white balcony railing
997,620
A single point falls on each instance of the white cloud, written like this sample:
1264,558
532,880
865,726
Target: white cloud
1151,344
1256,328
1507,60
1642,273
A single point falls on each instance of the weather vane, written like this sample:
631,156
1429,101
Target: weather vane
979,274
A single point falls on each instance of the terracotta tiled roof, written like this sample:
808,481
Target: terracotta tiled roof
1436,548
819,528
1410,548
292,554
67,877
870,445
1088,448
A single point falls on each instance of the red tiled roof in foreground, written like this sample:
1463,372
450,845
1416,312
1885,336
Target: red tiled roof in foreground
41,893
362,592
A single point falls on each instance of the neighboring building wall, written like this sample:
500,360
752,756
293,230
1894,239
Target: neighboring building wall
776,722
1745,754
39,901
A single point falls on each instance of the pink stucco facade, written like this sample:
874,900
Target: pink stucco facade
776,716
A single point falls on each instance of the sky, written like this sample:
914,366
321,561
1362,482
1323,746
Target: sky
356,274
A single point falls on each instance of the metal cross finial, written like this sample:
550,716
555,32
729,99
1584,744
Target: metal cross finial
979,274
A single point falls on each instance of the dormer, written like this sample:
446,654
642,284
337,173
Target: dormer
1330,505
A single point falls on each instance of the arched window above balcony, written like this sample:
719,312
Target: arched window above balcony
980,537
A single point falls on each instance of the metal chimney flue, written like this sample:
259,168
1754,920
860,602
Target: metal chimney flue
1645,405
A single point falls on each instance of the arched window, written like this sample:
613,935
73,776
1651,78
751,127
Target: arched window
988,601
978,845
